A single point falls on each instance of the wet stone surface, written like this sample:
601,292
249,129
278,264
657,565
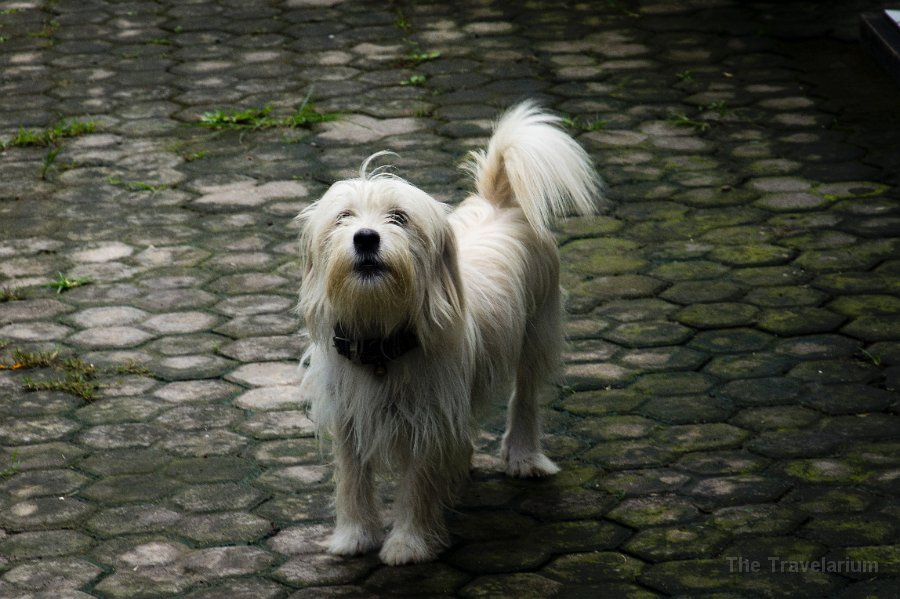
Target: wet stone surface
735,329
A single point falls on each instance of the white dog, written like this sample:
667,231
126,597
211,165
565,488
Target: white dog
418,315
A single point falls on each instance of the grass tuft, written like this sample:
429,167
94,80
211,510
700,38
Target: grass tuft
13,467
260,118
584,124
50,135
63,283
78,377
11,294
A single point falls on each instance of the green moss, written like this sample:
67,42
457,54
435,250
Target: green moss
753,254
827,470
856,189
866,305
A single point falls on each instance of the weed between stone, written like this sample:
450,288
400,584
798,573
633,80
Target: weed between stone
13,467
78,377
49,136
11,294
260,118
63,283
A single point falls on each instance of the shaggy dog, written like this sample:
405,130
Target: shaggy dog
419,314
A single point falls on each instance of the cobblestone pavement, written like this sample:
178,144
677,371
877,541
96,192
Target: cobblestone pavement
734,317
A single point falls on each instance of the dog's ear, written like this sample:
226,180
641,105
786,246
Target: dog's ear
311,305
444,303
305,240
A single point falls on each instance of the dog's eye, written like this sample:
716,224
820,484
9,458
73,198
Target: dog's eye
342,216
397,217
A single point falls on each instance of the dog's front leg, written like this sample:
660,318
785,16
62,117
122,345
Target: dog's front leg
358,528
419,532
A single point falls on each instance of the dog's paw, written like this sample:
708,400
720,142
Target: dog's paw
406,548
353,540
530,465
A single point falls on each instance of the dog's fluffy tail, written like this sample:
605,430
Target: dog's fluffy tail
532,163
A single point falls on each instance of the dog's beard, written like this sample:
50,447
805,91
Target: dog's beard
370,295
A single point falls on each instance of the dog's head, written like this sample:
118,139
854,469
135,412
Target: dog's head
378,256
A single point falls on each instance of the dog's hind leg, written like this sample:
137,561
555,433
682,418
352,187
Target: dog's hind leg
538,364
358,528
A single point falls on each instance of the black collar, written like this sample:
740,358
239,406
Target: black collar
376,351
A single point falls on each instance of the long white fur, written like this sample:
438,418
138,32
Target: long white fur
479,285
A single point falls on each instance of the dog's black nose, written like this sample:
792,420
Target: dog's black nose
366,241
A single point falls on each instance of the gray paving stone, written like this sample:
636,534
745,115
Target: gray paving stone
313,570
45,543
53,574
109,338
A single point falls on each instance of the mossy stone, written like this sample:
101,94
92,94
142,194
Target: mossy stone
419,579
594,567
739,234
568,504
718,463
717,315
819,240
588,226
858,282
874,328
851,189
44,543
663,359
672,383
828,500
788,295
210,469
731,340
761,276
747,366
691,292
601,256
793,443
701,437
618,455
525,585
827,470
775,417
676,542
585,296
812,347
689,270
787,549
757,519
703,197
687,409
852,398
756,254
694,576
761,391
836,371
834,260
641,482
852,529
865,305
578,535
614,427
603,401
496,556
647,309
648,334
799,321
887,556
641,512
